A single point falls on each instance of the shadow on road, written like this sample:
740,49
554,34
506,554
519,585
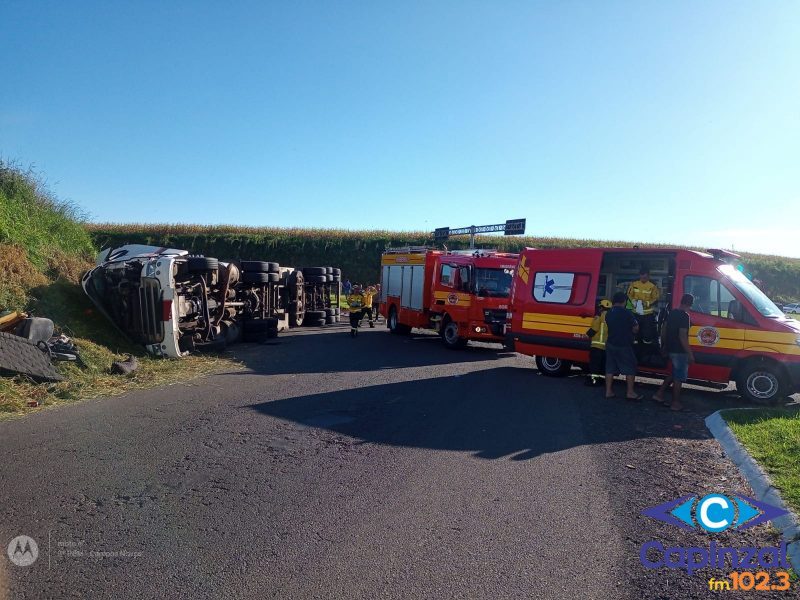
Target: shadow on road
493,413
332,350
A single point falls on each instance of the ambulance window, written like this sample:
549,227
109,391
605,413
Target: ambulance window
447,275
561,288
712,298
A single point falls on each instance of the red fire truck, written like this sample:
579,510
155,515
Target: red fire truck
736,333
462,295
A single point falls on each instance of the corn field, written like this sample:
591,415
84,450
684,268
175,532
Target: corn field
358,253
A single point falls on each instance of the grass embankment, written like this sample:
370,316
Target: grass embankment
358,253
44,248
772,437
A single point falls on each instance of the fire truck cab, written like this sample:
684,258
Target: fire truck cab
736,333
462,295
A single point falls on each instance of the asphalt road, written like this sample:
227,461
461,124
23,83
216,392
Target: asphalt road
381,467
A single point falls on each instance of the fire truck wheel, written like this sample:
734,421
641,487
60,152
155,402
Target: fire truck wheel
762,383
450,336
553,367
394,325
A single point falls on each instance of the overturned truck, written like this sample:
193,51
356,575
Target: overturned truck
174,303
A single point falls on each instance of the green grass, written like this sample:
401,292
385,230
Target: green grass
32,218
44,248
772,437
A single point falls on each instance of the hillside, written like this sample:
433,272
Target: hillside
358,252
44,249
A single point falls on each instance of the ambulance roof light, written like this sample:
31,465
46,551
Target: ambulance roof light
723,255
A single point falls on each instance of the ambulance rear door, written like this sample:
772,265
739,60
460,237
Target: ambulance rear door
554,298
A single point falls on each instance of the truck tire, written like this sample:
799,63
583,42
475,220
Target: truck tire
313,318
260,266
250,277
330,320
337,272
254,266
201,264
394,325
450,336
316,278
553,367
762,383
314,271
329,312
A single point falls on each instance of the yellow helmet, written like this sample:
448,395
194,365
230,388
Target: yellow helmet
605,303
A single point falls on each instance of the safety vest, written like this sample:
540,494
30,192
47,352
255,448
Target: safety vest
647,292
600,331
368,294
355,301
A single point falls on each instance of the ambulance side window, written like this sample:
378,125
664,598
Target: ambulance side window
713,298
446,277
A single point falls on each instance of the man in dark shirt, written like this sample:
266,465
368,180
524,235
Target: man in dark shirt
675,342
620,358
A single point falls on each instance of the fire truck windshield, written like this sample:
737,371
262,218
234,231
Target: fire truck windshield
494,283
758,299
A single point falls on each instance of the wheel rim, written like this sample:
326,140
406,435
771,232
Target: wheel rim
551,364
451,333
762,384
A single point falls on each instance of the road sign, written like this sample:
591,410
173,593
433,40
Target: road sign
515,227
510,227
441,234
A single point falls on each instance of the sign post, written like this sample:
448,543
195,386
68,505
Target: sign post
510,227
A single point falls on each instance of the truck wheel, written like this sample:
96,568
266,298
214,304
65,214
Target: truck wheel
316,271
314,318
761,384
553,367
316,278
202,264
250,277
394,325
256,266
451,338
336,271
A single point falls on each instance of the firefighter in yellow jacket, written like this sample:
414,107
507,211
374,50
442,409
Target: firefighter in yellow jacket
355,302
643,295
598,332
367,295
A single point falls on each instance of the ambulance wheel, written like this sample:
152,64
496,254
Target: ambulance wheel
762,383
553,367
451,338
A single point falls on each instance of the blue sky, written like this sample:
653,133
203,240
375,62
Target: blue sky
650,121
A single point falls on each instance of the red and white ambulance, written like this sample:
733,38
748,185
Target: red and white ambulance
462,295
736,333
